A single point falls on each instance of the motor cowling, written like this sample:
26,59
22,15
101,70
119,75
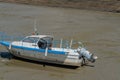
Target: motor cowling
86,54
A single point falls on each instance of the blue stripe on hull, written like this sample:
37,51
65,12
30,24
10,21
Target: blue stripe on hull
5,43
31,49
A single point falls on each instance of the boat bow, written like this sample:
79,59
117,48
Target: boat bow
5,43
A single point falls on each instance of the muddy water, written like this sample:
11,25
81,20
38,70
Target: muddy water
99,31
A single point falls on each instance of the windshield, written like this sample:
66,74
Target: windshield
31,39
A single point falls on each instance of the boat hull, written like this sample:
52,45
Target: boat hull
50,58
36,55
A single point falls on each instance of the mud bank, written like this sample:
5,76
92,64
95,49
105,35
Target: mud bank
100,5
99,31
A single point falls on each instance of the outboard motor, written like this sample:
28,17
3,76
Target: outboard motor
84,53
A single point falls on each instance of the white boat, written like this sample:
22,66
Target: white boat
40,48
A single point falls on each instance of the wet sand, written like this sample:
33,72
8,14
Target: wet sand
99,5
99,31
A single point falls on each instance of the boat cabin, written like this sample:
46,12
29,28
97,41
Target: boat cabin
41,41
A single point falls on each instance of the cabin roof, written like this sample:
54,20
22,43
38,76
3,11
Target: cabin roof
41,36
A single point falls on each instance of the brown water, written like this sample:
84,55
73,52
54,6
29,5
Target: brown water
99,31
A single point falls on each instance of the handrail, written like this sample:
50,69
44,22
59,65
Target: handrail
56,43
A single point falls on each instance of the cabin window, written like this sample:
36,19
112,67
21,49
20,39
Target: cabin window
45,42
30,39
42,44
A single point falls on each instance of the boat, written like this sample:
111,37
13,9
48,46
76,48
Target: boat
40,48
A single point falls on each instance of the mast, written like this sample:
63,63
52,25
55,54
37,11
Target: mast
35,27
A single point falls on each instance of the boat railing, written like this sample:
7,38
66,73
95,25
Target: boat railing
61,43
67,44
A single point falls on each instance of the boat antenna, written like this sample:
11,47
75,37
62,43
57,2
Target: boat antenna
71,43
35,27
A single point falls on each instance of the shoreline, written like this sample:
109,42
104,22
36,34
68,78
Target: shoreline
103,5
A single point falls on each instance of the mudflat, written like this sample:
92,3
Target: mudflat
99,31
